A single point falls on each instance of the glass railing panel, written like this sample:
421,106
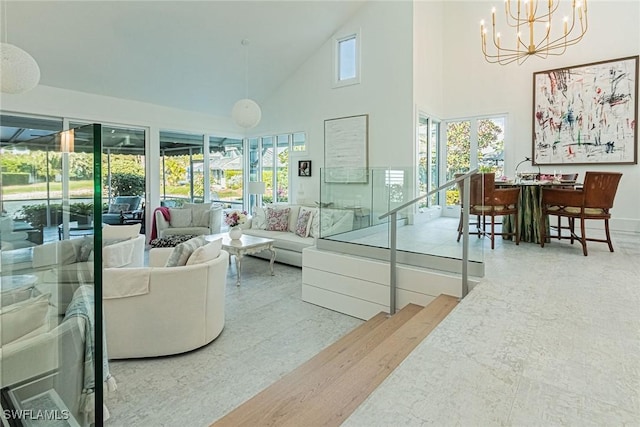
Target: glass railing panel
421,232
48,272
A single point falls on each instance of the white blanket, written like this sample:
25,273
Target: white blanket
118,255
125,282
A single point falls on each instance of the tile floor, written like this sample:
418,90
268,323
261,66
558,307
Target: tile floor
549,337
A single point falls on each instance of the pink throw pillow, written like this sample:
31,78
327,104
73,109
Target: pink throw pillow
278,219
302,226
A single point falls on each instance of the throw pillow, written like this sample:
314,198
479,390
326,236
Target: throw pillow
313,212
322,221
200,217
277,219
180,218
67,252
16,295
86,248
116,208
259,220
304,221
206,253
200,213
183,251
24,317
120,231
109,242
171,240
293,217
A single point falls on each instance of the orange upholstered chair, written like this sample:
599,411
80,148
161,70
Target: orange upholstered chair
591,202
486,200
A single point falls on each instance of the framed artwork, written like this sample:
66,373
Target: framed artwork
586,114
304,168
346,149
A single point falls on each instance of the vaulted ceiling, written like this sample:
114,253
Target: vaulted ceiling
180,54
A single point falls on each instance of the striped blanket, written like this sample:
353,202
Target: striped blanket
82,306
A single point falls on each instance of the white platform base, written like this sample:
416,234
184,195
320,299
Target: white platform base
359,286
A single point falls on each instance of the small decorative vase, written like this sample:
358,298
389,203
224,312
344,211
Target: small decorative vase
235,233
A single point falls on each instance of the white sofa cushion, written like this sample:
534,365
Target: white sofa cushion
120,231
58,253
16,295
284,239
294,211
199,213
181,253
23,318
206,253
180,217
259,220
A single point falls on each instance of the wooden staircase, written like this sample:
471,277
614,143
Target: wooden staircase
329,387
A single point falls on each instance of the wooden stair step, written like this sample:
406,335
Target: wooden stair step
285,396
334,404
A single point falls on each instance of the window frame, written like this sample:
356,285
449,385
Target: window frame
337,40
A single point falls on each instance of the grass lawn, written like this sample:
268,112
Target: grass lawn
85,189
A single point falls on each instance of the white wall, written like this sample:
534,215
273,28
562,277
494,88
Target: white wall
307,99
428,51
474,87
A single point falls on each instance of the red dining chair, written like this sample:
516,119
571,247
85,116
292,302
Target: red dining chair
591,202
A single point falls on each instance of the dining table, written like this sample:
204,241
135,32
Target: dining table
529,208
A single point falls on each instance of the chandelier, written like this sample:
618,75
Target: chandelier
534,16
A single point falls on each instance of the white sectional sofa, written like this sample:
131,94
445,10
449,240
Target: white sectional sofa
158,310
192,218
62,266
289,243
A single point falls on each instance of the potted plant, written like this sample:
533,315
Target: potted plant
81,212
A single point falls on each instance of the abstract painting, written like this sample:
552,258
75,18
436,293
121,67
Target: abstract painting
586,114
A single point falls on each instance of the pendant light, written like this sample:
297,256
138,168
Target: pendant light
246,112
19,72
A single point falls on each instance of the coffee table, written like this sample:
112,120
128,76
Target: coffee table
246,245
76,229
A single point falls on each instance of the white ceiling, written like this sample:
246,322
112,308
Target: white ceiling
181,54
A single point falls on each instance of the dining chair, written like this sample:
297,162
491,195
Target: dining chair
591,202
475,223
567,180
486,200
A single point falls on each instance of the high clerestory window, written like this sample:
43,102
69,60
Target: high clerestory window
347,60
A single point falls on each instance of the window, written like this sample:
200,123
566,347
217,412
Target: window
181,167
269,158
299,142
427,159
226,167
347,60
471,143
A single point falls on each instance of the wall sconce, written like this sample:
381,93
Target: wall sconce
67,141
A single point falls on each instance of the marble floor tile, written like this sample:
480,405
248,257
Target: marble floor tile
539,404
548,337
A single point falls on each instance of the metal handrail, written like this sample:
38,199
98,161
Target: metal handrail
393,213
417,199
